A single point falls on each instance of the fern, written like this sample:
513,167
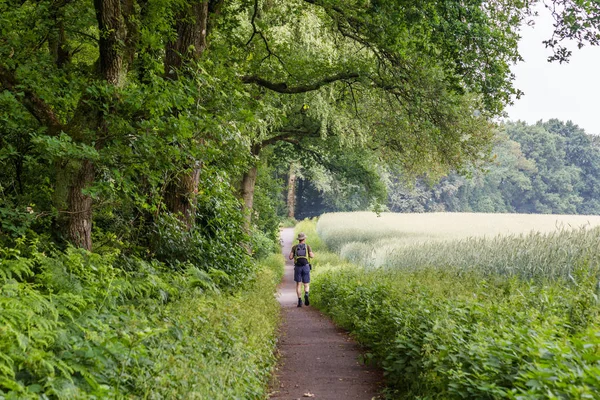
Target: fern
13,266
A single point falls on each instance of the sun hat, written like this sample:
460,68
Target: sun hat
301,236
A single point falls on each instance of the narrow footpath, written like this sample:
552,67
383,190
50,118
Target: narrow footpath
317,359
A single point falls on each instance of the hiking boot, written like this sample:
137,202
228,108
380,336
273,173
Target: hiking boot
299,302
306,299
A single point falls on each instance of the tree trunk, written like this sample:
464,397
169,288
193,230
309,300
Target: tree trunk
112,39
76,176
248,184
191,26
291,195
181,197
79,206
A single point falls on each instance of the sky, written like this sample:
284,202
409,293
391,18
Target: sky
552,90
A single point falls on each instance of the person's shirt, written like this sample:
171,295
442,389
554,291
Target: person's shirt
302,260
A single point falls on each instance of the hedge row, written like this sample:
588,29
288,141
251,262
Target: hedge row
444,335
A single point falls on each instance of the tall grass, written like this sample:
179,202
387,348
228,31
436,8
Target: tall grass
549,251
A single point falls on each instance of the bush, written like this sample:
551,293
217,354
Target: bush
263,245
446,331
441,334
82,325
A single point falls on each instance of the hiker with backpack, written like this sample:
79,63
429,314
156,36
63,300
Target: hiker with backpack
301,254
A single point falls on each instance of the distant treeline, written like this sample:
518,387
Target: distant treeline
551,167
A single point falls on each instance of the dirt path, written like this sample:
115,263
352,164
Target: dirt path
318,360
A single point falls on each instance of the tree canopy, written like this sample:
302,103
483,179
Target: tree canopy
121,113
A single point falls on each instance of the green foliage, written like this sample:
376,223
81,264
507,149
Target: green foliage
215,242
551,256
456,320
307,226
443,334
269,204
288,223
551,167
263,245
82,328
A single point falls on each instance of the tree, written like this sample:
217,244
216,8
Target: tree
179,85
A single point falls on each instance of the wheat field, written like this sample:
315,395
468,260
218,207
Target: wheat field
526,245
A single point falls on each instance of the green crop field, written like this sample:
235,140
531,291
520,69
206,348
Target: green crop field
540,246
467,306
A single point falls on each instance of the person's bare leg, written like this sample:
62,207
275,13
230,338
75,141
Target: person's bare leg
306,287
299,289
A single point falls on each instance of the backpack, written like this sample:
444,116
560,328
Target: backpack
301,252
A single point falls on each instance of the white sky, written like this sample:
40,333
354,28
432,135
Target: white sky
552,90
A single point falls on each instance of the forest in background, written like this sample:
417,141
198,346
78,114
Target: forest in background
550,167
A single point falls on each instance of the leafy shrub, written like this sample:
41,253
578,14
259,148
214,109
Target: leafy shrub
262,245
448,325
288,222
82,325
444,334
219,244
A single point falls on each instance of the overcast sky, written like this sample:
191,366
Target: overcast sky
552,90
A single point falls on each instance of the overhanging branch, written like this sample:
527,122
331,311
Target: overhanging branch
282,87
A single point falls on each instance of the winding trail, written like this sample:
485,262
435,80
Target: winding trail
317,359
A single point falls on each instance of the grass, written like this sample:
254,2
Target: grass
529,246
337,229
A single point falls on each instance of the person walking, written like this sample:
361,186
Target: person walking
301,254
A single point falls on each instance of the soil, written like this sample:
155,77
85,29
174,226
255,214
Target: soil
317,359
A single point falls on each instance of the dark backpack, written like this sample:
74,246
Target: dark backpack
301,250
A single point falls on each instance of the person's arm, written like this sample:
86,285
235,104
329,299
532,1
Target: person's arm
291,256
310,253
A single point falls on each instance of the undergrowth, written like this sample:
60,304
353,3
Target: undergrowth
79,325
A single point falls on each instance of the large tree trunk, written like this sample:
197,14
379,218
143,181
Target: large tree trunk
77,176
248,185
291,195
79,205
181,196
112,39
191,26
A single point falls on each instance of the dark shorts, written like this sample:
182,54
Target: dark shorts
302,273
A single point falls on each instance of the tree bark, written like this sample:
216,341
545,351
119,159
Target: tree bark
79,206
291,195
87,125
181,196
79,175
192,27
112,39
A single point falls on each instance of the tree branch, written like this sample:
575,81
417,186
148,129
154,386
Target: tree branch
252,21
31,101
282,87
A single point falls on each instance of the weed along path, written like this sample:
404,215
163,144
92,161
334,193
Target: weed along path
317,359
